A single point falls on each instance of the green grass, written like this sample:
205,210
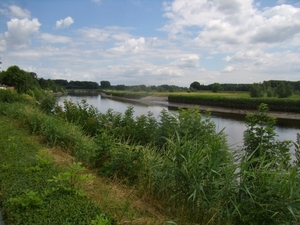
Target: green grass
184,165
27,194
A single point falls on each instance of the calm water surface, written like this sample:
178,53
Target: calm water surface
233,125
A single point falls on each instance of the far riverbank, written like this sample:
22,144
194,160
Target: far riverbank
163,100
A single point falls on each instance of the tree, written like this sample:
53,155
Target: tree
256,91
284,90
216,87
20,79
195,85
105,84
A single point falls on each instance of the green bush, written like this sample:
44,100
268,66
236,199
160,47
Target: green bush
8,96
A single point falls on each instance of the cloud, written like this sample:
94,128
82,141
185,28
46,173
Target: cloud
14,11
228,69
189,61
55,38
19,31
130,46
105,34
64,23
231,25
278,24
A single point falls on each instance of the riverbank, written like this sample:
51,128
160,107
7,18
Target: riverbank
163,101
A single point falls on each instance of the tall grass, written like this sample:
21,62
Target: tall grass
181,161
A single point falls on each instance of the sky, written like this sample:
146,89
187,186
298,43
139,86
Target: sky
153,42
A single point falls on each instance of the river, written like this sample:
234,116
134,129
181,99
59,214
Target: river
233,125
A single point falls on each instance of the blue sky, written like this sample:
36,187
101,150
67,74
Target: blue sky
153,42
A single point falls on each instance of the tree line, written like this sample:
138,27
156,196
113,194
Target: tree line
24,81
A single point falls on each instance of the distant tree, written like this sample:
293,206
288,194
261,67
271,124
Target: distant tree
121,87
143,87
270,92
105,84
256,90
61,82
195,85
284,90
216,87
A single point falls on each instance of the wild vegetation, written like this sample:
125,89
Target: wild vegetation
179,161
34,190
237,101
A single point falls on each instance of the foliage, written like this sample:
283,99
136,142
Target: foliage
195,85
26,195
124,162
179,160
20,79
8,96
193,176
216,87
268,188
238,101
82,114
72,178
284,90
270,92
256,91
48,103
105,84
259,137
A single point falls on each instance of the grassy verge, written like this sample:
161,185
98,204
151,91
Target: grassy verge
36,182
36,191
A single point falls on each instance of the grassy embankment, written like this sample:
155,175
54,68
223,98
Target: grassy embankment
180,162
42,183
34,189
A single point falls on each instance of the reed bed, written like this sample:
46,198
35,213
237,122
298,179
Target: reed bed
180,161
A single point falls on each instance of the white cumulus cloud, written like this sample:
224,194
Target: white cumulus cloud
228,69
64,23
189,61
130,46
14,11
19,31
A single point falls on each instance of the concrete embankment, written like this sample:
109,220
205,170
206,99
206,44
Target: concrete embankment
163,101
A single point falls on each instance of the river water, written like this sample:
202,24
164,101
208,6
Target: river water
233,125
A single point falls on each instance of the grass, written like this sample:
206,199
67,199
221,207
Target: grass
124,204
191,177
27,194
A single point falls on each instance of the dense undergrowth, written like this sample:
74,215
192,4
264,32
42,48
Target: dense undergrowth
179,160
